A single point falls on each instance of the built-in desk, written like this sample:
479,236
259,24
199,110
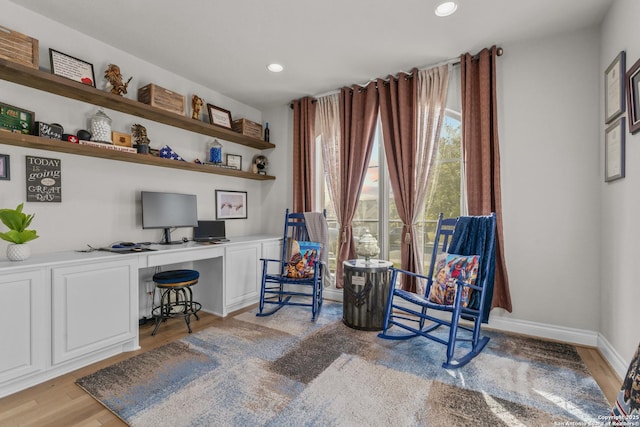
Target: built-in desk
66,310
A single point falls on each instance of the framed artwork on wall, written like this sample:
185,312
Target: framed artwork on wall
614,78
633,94
5,172
614,156
231,204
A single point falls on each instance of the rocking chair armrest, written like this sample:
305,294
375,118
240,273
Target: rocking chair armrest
271,260
468,285
409,273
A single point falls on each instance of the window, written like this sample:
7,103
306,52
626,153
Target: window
376,211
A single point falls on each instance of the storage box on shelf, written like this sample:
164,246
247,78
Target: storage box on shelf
247,127
160,97
18,48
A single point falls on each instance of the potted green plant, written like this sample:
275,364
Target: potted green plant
18,235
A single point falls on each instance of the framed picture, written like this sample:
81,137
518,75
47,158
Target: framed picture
16,120
71,68
5,172
231,204
633,90
219,116
614,95
614,151
43,179
234,161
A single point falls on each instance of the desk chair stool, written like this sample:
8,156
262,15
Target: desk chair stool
176,298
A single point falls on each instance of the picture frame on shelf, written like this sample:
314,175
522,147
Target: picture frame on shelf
231,204
234,161
16,120
614,151
219,116
5,170
633,96
72,68
614,85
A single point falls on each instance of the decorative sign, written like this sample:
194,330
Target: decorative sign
16,120
44,179
72,68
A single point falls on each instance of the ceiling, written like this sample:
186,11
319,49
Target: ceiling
323,44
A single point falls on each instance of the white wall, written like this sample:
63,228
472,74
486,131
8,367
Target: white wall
100,198
548,96
620,200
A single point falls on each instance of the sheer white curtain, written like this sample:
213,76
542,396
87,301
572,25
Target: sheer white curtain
432,101
328,131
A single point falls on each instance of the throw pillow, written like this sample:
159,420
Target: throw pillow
303,259
450,268
626,409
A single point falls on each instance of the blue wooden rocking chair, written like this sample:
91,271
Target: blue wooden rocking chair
418,315
277,288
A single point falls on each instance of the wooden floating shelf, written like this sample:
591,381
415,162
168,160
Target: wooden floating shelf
57,85
30,141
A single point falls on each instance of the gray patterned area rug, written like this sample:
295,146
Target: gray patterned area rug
285,370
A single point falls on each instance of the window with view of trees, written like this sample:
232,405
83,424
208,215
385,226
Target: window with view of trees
376,210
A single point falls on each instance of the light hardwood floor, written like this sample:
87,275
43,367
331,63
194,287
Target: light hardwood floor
59,402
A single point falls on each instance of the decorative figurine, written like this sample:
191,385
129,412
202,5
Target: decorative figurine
114,80
196,106
260,164
140,139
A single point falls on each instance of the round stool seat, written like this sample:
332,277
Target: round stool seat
176,298
175,276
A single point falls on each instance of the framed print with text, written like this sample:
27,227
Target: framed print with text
234,161
231,204
219,116
72,68
614,95
614,151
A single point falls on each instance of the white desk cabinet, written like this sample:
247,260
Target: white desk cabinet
94,306
25,320
66,310
242,275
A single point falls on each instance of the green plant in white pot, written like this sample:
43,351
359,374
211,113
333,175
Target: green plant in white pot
18,235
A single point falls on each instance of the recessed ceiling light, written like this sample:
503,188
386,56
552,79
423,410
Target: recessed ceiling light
275,68
446,8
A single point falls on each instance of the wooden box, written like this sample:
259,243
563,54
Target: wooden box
247,127
18,48
160,97
121,139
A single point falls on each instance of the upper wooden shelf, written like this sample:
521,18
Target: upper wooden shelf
37,142
51,83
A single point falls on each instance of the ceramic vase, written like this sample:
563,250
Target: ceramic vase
18,251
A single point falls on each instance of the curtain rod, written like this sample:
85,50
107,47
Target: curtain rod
452,61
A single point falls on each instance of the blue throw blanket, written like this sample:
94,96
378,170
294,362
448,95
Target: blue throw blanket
476,235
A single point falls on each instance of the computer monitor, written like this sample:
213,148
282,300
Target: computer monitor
167,211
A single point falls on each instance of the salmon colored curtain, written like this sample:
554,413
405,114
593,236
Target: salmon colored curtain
358,116
304,114
481,151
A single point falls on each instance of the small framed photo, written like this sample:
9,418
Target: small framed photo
16,120
614,151
71,68
234,161
5,171
614,95
219,116
633,94
231,204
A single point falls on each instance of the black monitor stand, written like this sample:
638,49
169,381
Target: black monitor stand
167,238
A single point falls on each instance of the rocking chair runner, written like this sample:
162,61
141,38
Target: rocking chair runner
421,315
278,288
